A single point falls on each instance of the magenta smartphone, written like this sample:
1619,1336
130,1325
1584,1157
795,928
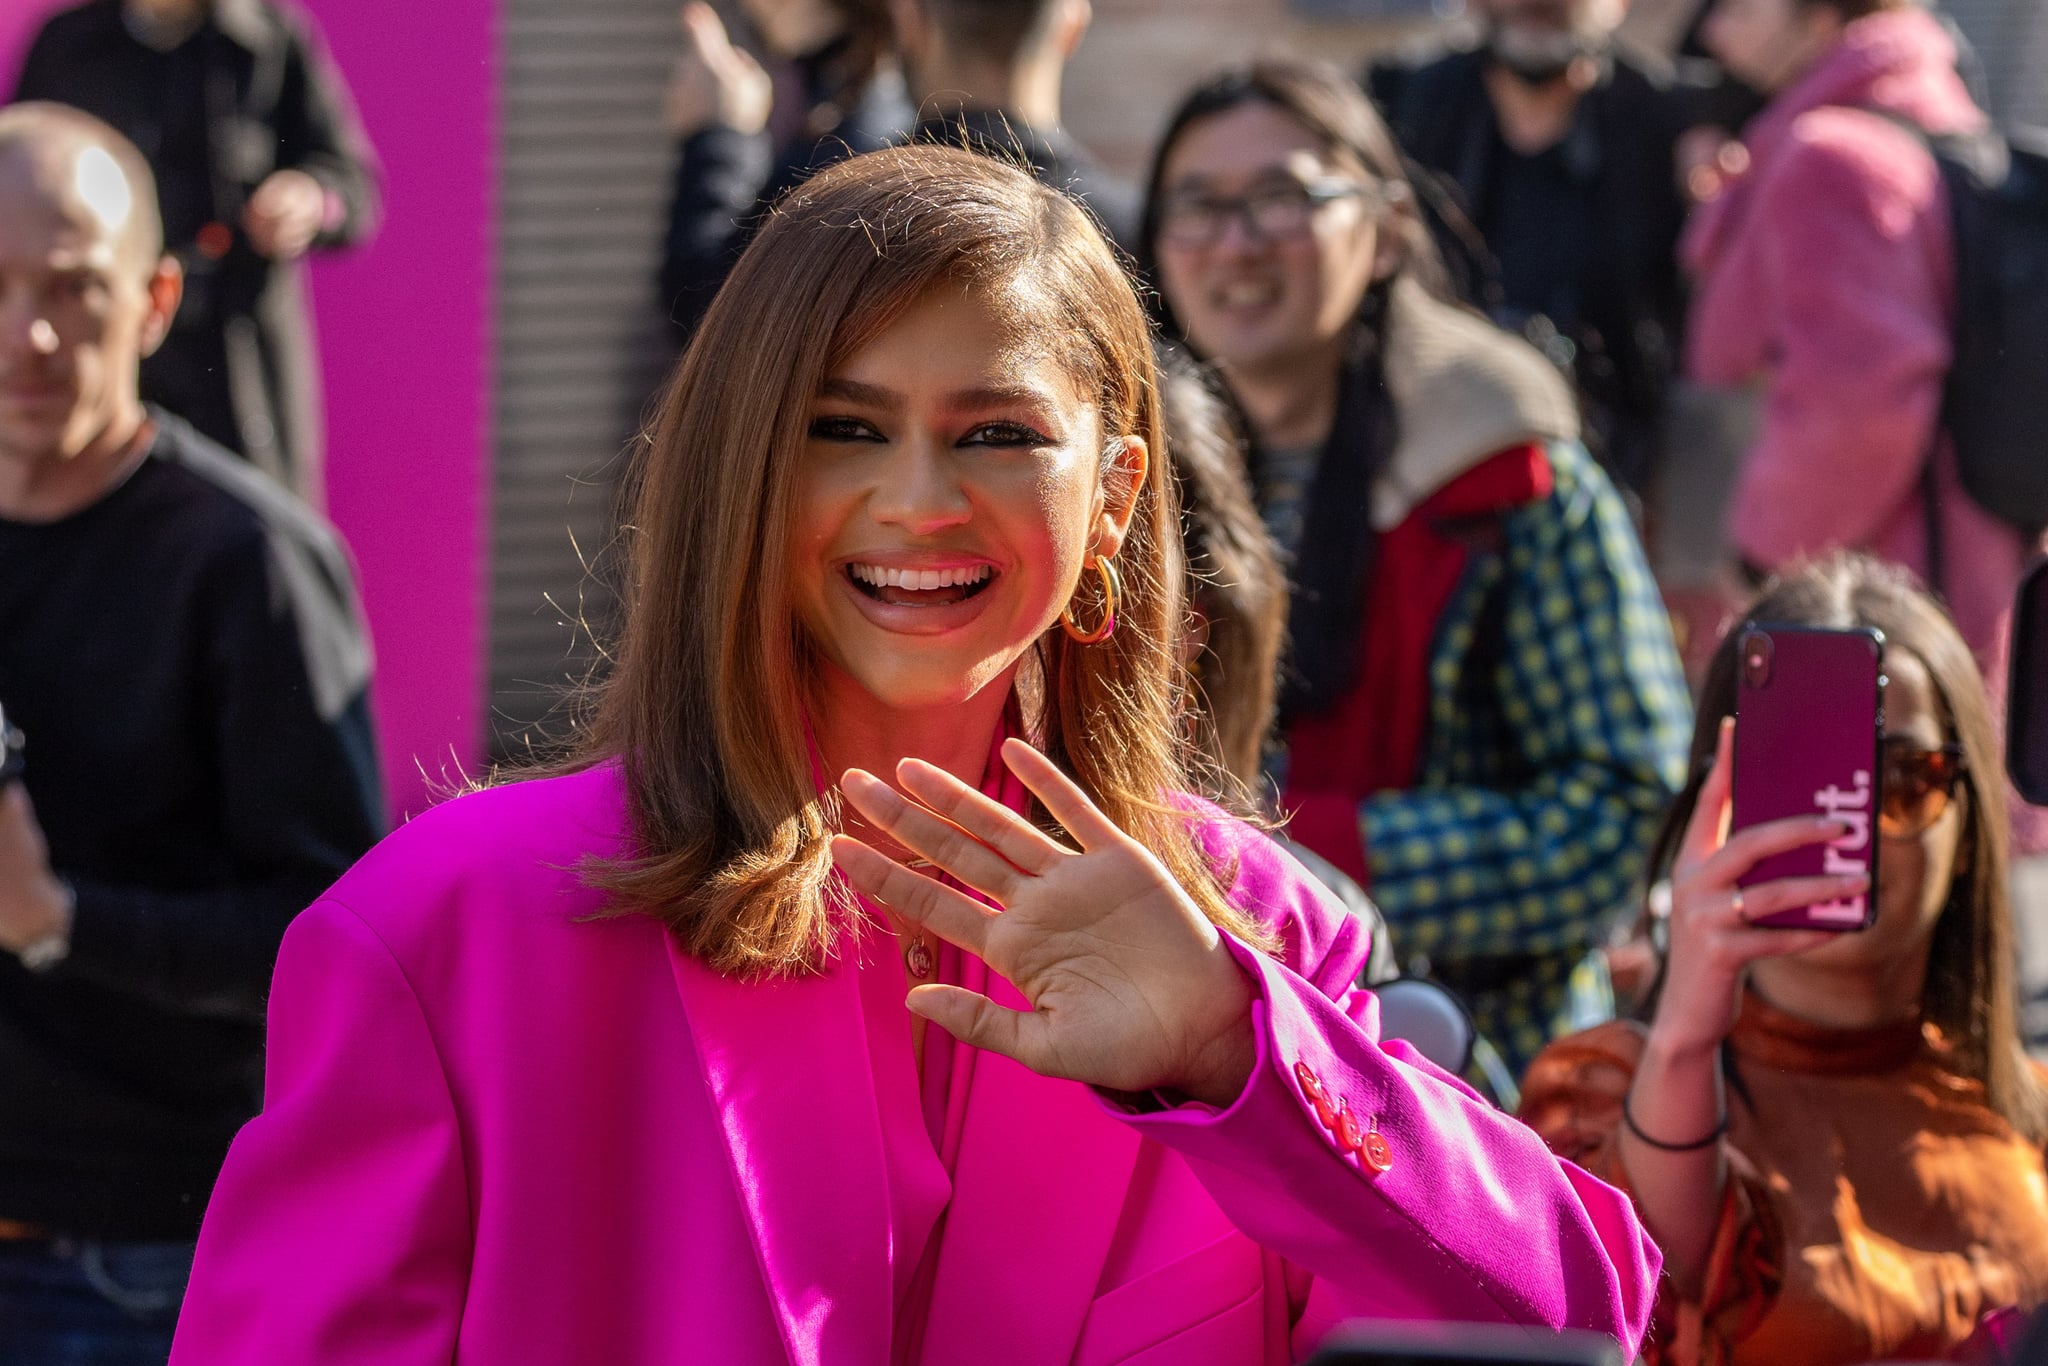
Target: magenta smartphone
1809,741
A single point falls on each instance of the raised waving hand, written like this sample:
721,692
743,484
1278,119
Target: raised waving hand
1131,987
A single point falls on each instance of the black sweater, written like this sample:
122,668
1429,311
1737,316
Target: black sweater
187,662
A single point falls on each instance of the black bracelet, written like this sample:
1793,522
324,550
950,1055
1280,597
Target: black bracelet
1660,1145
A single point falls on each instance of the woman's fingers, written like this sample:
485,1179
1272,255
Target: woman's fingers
930,836
1747,946
1747,848
953,916
1708,826
1794,893
974,1019
1068,804
981,816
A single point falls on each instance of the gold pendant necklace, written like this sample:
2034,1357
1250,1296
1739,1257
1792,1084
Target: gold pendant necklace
920,958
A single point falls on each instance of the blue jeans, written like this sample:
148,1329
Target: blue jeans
77,1302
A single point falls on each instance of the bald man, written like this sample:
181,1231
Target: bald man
180,644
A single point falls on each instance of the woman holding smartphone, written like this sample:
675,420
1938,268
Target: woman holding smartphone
1835,1137
617,1064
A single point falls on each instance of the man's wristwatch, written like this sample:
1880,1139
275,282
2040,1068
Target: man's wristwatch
54,947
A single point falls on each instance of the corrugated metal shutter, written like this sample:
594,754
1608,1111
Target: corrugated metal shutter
2011,39
585,166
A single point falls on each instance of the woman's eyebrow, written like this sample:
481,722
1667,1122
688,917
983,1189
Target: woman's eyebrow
976,396
1195,182
998,396
853,391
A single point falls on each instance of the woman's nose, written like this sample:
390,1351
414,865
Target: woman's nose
1239,236
919,489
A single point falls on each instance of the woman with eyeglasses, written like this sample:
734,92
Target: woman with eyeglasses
1483,715
1836,1138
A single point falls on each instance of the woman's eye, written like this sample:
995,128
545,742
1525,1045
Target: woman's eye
1005,434
843,429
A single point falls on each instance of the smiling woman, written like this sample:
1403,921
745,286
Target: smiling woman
630,1062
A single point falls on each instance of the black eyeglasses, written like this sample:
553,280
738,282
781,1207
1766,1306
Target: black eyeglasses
1919,783
1271,213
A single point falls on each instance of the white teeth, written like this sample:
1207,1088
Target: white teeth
918,580
1247,294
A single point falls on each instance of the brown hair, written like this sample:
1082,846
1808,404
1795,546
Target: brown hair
705,709
1971,993
1234,576
1331,107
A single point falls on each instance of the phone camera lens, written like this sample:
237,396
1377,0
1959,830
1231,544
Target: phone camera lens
1756,655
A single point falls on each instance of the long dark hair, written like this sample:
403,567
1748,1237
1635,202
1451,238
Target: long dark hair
1972,992
1331,107
704,711
1234,575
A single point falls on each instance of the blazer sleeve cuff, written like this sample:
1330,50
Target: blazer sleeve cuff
1278,1100
1395,1186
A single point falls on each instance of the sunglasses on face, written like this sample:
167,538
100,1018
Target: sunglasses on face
1919,784
1277,212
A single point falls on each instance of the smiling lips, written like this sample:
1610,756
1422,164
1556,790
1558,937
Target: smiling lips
920,587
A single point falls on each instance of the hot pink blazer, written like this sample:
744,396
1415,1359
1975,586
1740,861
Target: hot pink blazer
496,1131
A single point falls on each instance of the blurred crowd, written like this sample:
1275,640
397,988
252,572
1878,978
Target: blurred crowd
1501,379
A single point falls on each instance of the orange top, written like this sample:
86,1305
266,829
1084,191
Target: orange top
1876,1207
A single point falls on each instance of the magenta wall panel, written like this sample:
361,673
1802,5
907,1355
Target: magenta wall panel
405,336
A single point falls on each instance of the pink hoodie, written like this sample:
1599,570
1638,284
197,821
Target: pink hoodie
1828,271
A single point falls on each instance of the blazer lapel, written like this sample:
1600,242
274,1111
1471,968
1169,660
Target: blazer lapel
1037,1191
786,1065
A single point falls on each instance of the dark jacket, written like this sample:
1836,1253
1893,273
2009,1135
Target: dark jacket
726,180
1620,153
1056,159
249,93
187,660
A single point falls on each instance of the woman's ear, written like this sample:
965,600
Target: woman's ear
1123,479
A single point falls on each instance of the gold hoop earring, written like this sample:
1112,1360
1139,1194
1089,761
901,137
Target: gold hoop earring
1112,593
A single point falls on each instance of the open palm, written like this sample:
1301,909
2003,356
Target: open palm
1131,987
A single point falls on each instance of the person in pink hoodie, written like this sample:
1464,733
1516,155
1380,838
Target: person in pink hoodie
868,987
1825,269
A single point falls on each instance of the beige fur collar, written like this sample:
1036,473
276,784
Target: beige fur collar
1463,390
